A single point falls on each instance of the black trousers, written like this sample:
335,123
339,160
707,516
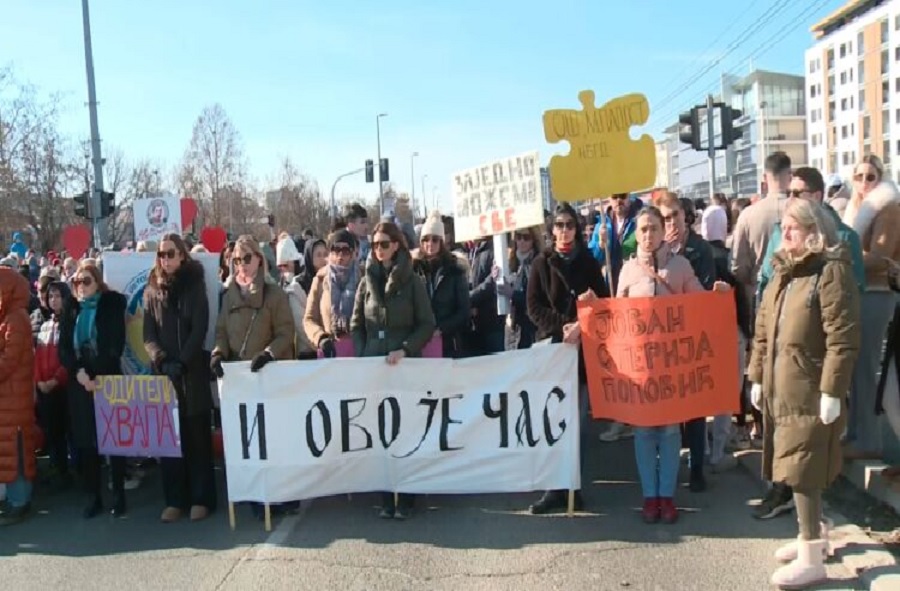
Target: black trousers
54,420
90,471
190,480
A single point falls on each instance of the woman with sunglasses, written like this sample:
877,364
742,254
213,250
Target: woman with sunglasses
560,276
874,214
446,282
92,340
332,293
176,320
392,318
528,244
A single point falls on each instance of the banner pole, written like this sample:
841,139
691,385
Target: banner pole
231,520
268,510
571,510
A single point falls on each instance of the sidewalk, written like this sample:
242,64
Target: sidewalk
876,568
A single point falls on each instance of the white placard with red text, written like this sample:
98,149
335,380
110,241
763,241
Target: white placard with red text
498,197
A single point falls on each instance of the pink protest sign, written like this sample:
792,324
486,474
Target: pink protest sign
137,416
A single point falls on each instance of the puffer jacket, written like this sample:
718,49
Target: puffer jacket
16,378
297,299
805,344
392,310
47,365
875,219
447,286
249,325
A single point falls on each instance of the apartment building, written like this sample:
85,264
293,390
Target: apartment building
853,87
773,118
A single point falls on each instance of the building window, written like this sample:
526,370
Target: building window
853,129
812,91
884,61
860,44
862,100
867,128
897,23
812,66
830,58
885,92
886,121
814,141
844,159
851,102
831,110
843,132
861,72
850,74
897,54
886,151
843,104
898,147
897,116
843,77
884,31
831,85
843,51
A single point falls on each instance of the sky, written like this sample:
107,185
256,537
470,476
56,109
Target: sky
463,83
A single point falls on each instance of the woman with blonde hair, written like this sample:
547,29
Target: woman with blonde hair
874,214
528,243
804,349
91,343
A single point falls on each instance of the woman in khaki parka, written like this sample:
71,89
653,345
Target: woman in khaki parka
804,351
332,295
392,317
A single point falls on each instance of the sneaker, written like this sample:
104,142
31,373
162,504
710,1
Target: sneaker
14,515
650,512
779,500
616,432
668,512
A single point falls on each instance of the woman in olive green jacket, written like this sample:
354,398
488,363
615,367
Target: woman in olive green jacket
391,317
804,348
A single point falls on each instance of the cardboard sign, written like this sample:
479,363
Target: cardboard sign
137,416
603,159
498,197
659,361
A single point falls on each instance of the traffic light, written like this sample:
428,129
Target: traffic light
107,204
383,173
82,205
730,133
689,128
370,171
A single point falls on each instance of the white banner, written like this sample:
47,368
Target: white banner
127,273
155,217
498,197
305,429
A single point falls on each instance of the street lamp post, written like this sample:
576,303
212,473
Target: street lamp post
380,183
412,182
98,226
334,186
424,196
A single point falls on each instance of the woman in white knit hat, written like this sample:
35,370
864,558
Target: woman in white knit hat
287,258
446,282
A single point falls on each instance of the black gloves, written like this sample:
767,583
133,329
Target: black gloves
327,347
260,361
215,366
172,369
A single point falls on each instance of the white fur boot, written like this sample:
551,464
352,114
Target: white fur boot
788,552
808,569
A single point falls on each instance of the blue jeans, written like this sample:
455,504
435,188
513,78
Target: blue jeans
18,492
657,451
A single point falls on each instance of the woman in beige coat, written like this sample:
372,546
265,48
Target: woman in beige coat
332,296
804,350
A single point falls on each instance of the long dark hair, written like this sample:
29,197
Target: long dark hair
394,233
157,276
566,209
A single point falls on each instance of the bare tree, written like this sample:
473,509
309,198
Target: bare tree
297,203
213,170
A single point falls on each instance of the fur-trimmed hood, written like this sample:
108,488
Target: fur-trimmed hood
860,215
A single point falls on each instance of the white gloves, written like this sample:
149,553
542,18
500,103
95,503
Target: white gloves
829,408
756,396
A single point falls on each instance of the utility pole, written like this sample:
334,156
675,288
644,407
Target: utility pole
98,225
412,183
424,195
711,133
334,186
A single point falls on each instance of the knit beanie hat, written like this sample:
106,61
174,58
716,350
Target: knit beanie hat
433,226
286,252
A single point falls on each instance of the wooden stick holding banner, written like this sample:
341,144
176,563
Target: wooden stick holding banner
501,260
231,519
607,251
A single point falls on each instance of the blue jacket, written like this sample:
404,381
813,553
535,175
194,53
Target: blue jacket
845,233
618,251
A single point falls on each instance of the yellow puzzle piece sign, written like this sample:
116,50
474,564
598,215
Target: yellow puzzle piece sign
603,159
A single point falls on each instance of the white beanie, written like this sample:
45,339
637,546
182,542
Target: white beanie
286,252
433,226
714,223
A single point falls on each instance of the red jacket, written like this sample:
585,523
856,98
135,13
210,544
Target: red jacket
46,355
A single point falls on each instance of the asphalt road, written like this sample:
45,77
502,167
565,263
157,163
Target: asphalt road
452,542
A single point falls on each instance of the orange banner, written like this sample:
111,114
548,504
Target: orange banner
663,360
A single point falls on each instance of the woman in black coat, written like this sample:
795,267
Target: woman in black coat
176,320
447,285
559,277
91,342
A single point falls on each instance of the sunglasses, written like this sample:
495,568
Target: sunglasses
620,197
383,244
85,281
342,250
564,225
797,193
523,237
431,238
869,178
246,259
167,254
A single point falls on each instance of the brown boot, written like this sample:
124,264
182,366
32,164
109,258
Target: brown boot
170,515
199,513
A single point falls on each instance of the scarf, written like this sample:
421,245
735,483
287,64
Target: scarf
343,293
86,325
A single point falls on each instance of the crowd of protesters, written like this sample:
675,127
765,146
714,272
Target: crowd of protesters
812,269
